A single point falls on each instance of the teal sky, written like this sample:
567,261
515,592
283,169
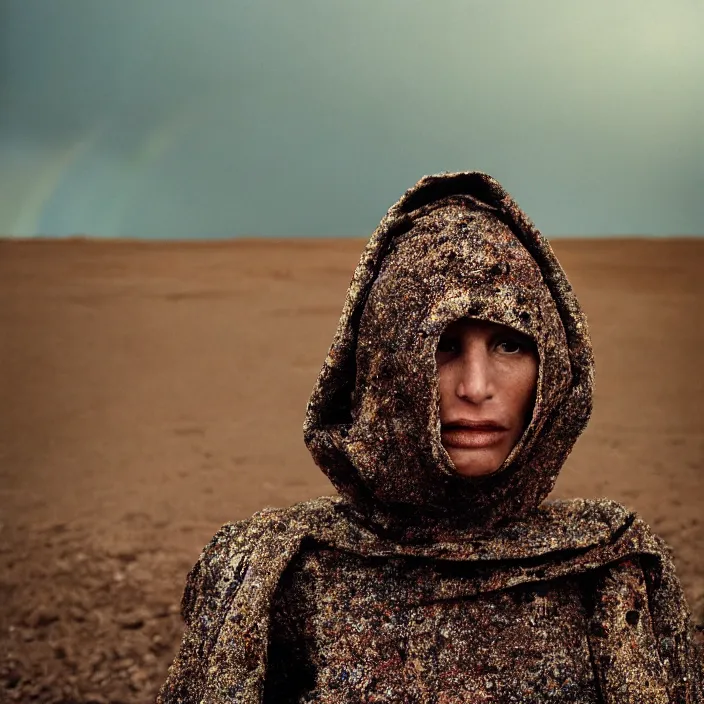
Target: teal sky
220,118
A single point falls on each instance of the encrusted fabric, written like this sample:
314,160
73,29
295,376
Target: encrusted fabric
417,584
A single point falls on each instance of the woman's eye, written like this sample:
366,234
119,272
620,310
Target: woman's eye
511,346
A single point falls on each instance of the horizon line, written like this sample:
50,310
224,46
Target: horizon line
287,238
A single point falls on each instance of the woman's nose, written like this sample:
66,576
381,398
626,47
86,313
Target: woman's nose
475,383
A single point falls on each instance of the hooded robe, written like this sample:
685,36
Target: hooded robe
415,583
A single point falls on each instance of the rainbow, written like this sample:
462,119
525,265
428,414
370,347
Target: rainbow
125,173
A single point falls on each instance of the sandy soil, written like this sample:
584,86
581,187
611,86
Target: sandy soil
152,392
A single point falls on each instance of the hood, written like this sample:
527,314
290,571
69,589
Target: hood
454,245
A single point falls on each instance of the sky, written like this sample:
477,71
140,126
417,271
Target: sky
173,119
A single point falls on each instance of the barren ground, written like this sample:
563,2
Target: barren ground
152,392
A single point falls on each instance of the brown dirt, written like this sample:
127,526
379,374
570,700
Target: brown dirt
152,392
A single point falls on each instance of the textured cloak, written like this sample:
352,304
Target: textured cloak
582,574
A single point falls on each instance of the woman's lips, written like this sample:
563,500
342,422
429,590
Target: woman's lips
467,438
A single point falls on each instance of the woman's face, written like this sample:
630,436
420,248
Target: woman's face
487,376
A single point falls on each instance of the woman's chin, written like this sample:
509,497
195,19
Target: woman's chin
475,462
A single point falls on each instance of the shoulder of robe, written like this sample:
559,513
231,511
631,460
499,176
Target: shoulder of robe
219,569
587,521
301,518
216,567
604,521
602,511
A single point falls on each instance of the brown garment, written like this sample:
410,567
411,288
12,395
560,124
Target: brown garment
418,584
414,630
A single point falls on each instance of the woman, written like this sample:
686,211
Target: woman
458,381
